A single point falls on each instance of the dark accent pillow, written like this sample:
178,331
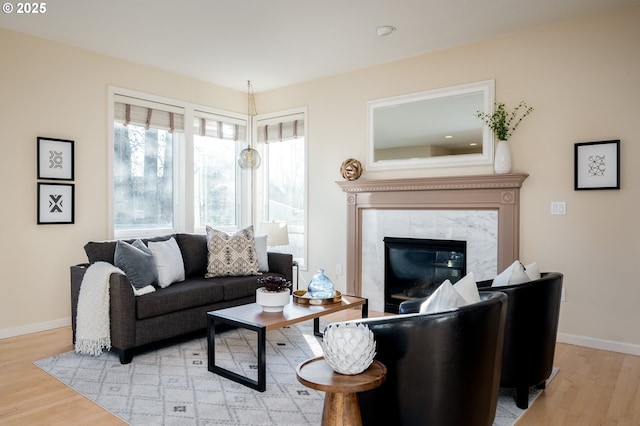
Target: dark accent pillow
104,251
100,251
193,248
137,262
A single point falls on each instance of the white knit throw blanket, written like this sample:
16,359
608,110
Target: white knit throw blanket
92,320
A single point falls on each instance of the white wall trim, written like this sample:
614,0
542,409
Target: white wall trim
592,342
34,328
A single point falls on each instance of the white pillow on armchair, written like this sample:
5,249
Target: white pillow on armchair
448,296
517,273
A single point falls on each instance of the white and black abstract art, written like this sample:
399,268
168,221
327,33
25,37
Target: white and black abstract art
597,165
55,203
55,159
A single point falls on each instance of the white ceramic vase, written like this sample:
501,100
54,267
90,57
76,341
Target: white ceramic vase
502,162
348,348
272,301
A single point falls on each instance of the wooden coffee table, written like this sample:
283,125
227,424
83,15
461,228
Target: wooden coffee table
251,317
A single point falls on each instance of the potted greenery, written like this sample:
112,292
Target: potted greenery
274,293
503,124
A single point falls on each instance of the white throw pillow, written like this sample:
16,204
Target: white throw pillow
532,271
261,252
468,289
144,290
513,274
168,261
443,299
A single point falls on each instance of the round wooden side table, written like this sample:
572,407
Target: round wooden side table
340,401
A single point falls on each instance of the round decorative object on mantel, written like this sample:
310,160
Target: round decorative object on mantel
272,301
348,348
502,162
351,169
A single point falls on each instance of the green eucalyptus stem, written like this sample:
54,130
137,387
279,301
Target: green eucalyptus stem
500,122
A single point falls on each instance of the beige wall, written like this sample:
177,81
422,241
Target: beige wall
47,89
581,76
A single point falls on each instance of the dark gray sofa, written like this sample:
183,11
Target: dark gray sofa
138,322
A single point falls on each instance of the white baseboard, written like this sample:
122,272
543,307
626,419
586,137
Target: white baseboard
607,345
34,328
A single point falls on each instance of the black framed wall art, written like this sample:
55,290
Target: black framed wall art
55,158
55,203
597,165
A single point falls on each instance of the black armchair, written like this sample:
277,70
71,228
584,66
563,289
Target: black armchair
530,333
442,369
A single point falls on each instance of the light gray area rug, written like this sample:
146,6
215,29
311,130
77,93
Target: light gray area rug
172,386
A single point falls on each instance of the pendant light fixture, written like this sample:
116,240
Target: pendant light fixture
249,158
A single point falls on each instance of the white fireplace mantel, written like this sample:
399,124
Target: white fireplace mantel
499,192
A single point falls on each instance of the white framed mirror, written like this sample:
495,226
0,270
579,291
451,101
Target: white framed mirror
434,128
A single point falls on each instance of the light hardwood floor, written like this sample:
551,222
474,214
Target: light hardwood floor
593,387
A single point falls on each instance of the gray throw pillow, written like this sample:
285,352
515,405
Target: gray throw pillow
137,262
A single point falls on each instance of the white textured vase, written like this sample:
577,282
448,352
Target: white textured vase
272,301
502,163
348,348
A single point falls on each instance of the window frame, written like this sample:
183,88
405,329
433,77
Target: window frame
183,169
262,210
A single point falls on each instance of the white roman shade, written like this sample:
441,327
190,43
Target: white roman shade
139,112
219,126
279,129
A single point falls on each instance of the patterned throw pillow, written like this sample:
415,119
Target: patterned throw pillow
231,254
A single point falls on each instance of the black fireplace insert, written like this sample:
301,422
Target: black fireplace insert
415,267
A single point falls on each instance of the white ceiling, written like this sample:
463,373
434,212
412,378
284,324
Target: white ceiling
277,43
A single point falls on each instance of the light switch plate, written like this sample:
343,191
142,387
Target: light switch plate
558,208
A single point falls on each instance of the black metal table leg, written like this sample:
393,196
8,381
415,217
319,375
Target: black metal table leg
316,328
261,383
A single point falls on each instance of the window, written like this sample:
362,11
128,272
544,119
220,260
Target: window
144,140
215,153
174,167
285,177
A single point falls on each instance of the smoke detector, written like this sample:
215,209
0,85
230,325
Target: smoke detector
384,30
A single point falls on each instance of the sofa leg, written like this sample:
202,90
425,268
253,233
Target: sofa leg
542,385
522,397
126,355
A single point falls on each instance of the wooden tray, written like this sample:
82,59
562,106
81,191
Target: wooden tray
300,299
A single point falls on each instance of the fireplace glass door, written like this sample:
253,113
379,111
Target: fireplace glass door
415,267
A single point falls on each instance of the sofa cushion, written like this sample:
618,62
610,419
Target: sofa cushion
231,254
137,262
104,251
194,254
168,261
179,296
238,287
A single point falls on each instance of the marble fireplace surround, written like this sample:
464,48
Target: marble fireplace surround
494,192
